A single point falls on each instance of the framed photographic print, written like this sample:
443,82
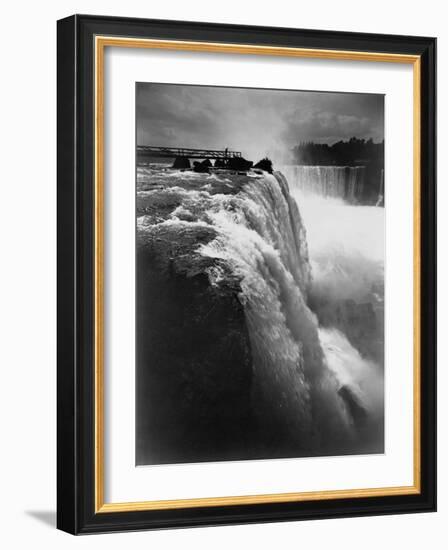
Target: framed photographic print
246,274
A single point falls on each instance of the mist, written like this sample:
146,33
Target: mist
257,122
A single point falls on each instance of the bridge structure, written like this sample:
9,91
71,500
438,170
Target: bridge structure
149,151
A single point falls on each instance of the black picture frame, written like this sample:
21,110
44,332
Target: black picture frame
76,512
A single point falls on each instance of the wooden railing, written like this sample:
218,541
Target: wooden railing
149,151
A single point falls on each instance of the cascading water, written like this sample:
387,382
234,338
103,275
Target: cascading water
346,252
263,240
342,182
306,399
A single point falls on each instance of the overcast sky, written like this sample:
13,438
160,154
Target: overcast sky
256,122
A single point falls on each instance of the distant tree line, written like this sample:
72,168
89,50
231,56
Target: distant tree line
354,152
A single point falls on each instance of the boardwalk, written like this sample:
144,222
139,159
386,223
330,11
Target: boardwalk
148,151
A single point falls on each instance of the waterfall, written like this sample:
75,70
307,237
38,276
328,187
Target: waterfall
263,240
380,199
303,404
342,182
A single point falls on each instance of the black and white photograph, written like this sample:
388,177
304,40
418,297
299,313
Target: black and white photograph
259,273
221,318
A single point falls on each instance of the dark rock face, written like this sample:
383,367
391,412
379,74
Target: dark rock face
264,164
358,321
194,364
202,167
239,163
181,162
355,408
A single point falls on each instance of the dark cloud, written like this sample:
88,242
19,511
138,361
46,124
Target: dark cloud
257,122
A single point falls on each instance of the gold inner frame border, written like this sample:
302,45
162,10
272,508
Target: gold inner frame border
101,42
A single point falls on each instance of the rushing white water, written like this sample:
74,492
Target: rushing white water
343,182
355,372
346,251
312,387
264,242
